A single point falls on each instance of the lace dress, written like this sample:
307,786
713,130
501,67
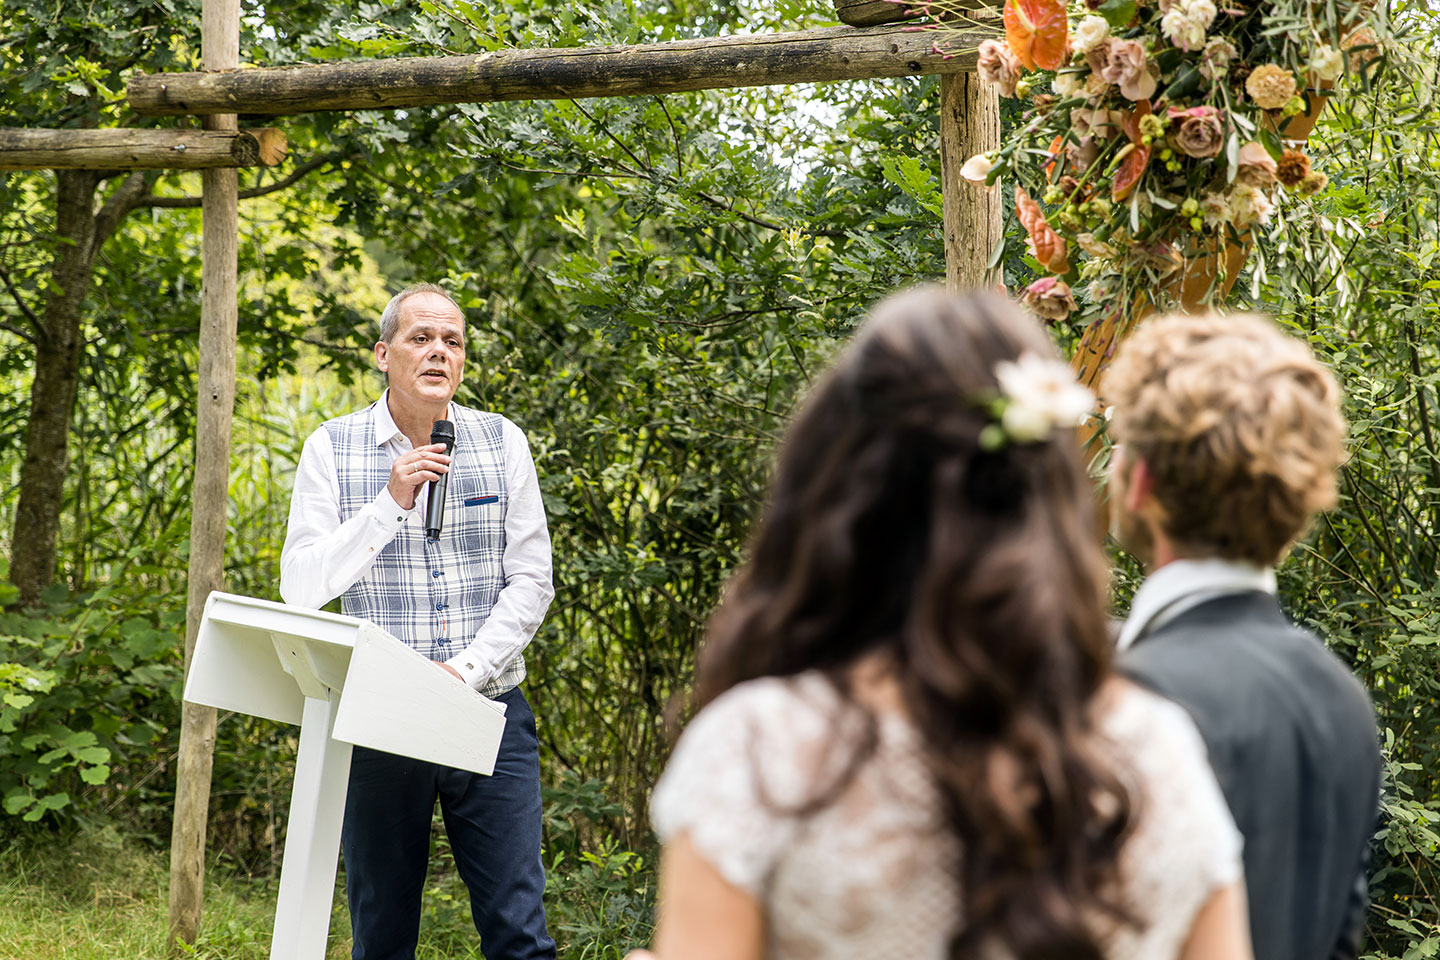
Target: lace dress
868,875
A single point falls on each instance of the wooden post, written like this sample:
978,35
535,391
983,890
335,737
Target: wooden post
119,148
214,409
969,124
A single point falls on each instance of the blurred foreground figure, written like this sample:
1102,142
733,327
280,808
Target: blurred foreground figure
1230,436
910,742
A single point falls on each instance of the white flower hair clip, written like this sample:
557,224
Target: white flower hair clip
1037,395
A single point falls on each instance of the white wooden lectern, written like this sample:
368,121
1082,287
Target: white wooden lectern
347,683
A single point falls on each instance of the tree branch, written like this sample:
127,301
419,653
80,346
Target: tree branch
125,198
19,332
305,168
24,308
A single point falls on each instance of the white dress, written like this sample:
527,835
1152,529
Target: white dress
869,874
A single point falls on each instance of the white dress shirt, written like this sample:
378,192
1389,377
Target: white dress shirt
324,556
1183,584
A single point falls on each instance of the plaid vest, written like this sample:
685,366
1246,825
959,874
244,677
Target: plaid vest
433,596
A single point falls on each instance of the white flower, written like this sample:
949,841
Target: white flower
1067,84
1326,63
977,168
1249,206
1216,208
1185,23
1215,60
1040,395
1089,34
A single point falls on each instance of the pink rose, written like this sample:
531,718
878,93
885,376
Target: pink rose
1201,131
1128,67
1255,166
997,65
1095,122
1049,298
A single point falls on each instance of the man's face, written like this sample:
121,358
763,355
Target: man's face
1128,525
426,357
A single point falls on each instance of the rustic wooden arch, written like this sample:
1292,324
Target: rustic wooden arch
872,46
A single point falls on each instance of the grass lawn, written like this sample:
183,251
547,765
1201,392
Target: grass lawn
98,897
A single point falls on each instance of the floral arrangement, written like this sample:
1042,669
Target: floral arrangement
1158,132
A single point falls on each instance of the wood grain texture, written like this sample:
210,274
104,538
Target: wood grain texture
807,56
866,13
969,124
122,149
215,403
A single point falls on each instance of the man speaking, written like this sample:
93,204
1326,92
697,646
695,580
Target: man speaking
470,599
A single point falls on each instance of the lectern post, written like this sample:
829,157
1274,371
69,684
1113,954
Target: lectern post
317,810
346,682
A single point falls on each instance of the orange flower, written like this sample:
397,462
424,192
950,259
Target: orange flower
1038,32
1046,245
1293,167
1132,168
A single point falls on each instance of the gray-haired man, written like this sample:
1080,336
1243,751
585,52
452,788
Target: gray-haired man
470,601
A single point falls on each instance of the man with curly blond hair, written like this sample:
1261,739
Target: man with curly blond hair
1229,438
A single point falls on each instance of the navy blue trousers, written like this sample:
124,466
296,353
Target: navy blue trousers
494,828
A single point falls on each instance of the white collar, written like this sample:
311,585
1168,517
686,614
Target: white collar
1182,584
385,427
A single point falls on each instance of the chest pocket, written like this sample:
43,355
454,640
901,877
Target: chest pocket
477,508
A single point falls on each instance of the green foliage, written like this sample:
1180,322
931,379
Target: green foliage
79,682
1353,274
601,904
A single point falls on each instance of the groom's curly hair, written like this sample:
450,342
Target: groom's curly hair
1239,426
976,575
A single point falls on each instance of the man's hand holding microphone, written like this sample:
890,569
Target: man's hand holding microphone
422,465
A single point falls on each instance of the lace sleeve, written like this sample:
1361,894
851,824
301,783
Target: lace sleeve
1186,847
733,778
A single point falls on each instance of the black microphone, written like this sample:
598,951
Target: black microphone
443,431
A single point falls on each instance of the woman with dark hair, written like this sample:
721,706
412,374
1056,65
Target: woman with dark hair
910,743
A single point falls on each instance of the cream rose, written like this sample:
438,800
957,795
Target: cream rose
1185,24
1270,86
1067,84
1089,34
1128,67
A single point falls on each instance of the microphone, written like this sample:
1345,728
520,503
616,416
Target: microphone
443,431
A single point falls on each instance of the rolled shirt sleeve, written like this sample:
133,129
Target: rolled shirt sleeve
526,595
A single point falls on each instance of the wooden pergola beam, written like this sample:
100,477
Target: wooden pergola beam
123,149
806,56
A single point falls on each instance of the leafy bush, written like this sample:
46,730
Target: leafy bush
81,682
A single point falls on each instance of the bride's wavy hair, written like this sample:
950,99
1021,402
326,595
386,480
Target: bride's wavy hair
977,575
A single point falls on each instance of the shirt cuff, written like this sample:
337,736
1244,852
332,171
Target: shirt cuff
390,514
475,671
